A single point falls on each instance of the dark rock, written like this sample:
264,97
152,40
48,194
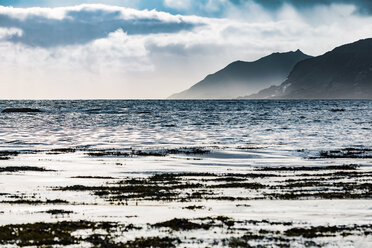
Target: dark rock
21,110
337,110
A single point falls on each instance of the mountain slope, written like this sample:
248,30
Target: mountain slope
242,78
343,73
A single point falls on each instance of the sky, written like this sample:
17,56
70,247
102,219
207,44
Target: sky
150,49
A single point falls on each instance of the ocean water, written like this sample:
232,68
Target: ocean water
119,124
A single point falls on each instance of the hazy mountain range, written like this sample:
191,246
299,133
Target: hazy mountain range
242,78
343,73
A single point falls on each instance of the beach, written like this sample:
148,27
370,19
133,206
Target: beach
186,174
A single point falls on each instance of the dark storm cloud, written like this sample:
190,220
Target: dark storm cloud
83,26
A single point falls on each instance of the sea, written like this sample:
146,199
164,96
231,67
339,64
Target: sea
311,125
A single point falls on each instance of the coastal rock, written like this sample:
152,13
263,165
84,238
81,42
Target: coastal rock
21,110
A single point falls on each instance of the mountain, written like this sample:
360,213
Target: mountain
343,73
243,78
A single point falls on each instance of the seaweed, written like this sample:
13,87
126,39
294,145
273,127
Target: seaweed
327,231
23,168
300,195
35,202
194,207
42,234
63,233
360,153
319,168
153,242
92,177
263,236
203,186
58,212
207,223
6,155
238,185
182,224
108,153
62,150
154,153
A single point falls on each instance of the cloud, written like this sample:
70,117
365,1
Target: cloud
45,27
361,6
207,8
219,8
8,33
178,4
100,51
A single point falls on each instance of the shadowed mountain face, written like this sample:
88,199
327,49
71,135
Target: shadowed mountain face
242,78
343,73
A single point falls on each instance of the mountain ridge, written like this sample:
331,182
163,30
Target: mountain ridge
239,77
342,73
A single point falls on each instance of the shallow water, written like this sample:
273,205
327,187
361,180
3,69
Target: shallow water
119,140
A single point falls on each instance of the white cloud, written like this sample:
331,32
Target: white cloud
155,53
45,27
6,33
178,4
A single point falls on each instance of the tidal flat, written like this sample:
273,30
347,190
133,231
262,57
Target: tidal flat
143,200
186,174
